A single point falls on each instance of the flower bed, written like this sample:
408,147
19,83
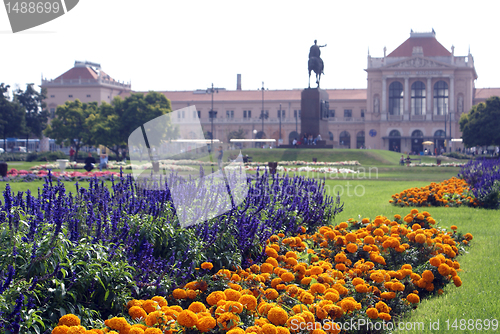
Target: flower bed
307,169
447,164
368,271
92,251
452,192
301,163
484,179
14,175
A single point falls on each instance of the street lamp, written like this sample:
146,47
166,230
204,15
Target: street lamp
254,135
445,117
279,140
212,114
263,115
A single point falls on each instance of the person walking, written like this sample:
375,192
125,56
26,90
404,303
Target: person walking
71,153
219,157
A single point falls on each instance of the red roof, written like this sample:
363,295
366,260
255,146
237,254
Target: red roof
430,46
256,95
482,94
82,72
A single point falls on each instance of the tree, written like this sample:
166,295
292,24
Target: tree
12,120
116,121
481,125
240,134
72,125
36,114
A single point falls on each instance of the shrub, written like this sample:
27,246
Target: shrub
483,176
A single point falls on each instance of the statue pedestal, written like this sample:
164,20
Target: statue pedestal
314,113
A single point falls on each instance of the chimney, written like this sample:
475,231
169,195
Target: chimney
238,82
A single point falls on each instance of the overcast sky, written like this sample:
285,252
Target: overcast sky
187,45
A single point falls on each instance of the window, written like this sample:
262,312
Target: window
440,98
360,139
332,113
199,114
247,114
52,112
70,95
418,98
296,113
194,113
183,114
178,114
347,113
330,134
230,113
363,113
282,113
52,96
394,133
88,95
396,98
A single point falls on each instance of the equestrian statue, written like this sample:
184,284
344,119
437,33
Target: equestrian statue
315,62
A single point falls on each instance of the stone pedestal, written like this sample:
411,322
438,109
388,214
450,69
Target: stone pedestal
314,113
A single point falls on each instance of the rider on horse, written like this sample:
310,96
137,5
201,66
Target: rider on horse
315,62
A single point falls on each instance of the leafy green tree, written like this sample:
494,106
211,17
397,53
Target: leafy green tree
240,134
481,125
116,121
12,120
72,124
36,114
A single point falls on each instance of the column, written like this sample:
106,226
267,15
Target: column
383,107
406,99
428,98
452,105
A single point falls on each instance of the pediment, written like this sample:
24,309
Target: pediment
418,63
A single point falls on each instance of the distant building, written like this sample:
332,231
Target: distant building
410,94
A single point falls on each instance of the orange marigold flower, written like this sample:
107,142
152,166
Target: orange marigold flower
444,269
153,331
420,238
214,297
269,329
232,295
69,320
187,319
457,281
428,276
307,298
435,261
228,320
361,288
352,248
318,288
207,266
295,322
413,298
277,316
249,302
271,294
384,316
61,329
333,296
76,330
197,307
137,312
382,307
372,313
205,324
236,330
287,277
179,294
156,317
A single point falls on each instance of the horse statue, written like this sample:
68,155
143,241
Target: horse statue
315,62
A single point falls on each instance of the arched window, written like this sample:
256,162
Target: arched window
360,139
440,98
394,133
395,98
439,133
418,98
417,133
330,134
345,139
